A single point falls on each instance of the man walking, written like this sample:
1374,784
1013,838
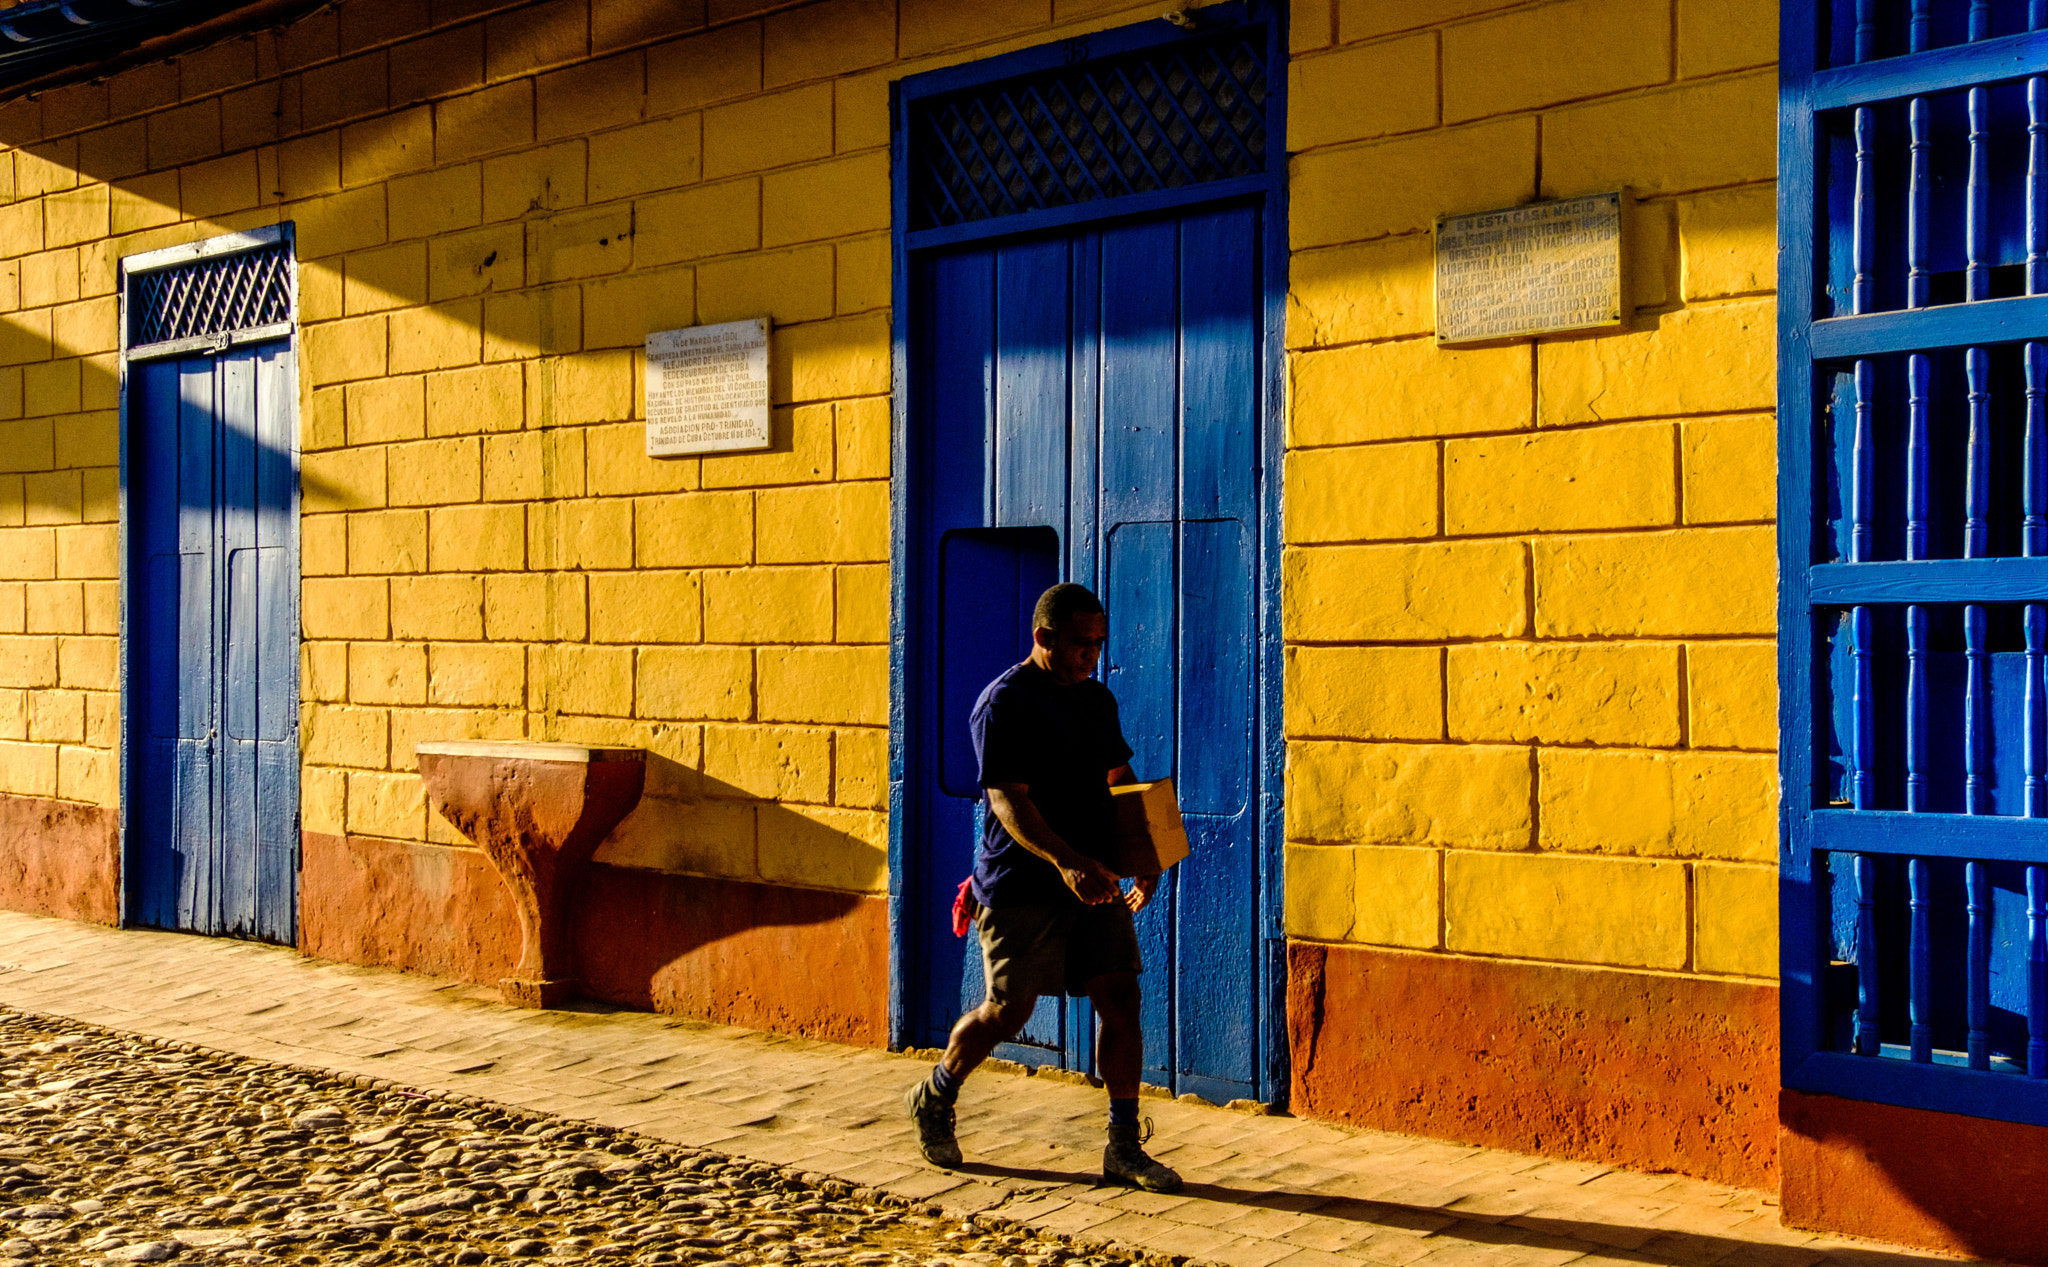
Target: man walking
1054,919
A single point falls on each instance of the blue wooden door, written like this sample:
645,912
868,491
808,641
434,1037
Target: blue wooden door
213,640
1093,398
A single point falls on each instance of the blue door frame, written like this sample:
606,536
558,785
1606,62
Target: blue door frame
919,474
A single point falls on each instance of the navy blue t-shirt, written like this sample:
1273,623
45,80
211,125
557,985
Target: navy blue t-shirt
1061,742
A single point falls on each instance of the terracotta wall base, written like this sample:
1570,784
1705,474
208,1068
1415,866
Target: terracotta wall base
798,961
1653,1072
60,858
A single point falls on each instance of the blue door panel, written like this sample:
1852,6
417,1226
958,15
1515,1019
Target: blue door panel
1220,369
1031,385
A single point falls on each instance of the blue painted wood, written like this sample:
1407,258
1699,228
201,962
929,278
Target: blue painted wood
1927,329
1032,355
1865,1040
1992,61
2006,1096
1978,884
1092,214
1995,580
1920,956
1998,838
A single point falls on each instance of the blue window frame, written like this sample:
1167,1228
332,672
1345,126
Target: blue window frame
1913,399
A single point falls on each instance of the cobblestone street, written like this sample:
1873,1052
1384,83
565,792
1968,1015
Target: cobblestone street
117,1149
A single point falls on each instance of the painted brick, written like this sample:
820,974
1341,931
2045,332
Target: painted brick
616,462
592,387
578,244
1696,136
389,145
714,838
1463,795
829,39
390,277
694,530
861,277
76,215
437,202
89,551
1378,290
489,398
340,222
695,223
584,99
1735,920
1732,694
696,683
323,800
620,312
581,534
436,338
1365,692
476,675
320,287
25,336
56,717
445,62
50,388
763,605
183,134
28,661
801,452
1527,58
861,604
1728,242
27,445
515,466
860,768
847,686
14,714
323,545
1602,477
1404,592
925,26
90,440
52,497
661,154
828,360
715,66
28,769
391,805
1326,105
93,326
544,34
21,226
387,673
437,607
524,322
776,763
772,130
784,286
309,165
1606,693
824,848
54,607
567,678
387,541
1580,910
1364,19
1403,185
485,122
1321,897
862,438
382,410
344,479
345,607
1407,389
1399,896
1731,469
1702,581
860,108
825,523
826,200
88,774
1659,804
642,606
338,351
1715,36
546,178
536,607
1716,359
435,472
49,277
343,736
102,607
1361,493
410,727
477,538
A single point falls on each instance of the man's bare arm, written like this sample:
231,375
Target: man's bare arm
1090,880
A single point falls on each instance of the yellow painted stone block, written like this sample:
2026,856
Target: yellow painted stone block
616,462
1659,804
1622,912
476,675
89,663
437,607
589,387
1605,693
435,472
387,277
620,312
345,607
53,497
91,440
14,714
1357,94
1346,294
55,607
486,398
1731,469
1716,359
1696,581
1694,136
925,26
696,683
1463,795
800,452
827,360
56,716
388,805
340,351
772,130
861,601
76,215
783,286
1596,477
826,200
28,769
578,244
28,554
1715,36
1732,694
581,534
844,686
840,849
646,607
410,727
387,673
437,202
829,39
28,661
860,768
697,223
584,99
323,671
1728,240
102,607
1735,914
714,838
826,523
91,775
89,551
761,605
1526,58
566,678
1321,898
1403,185
863,277
438,337
693,530
477,538
343,479
492,258
1399,896
320,290
51,388
772,763
336,223
1406,389
323,800
1361,493
536,607
862,440
546,178
387,541
1404,592
323,423
89,326
343,736
660,154
1365,693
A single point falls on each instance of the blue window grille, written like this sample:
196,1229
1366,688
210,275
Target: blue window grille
1913,369
212,300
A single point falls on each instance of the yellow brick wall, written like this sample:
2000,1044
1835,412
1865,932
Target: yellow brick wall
1529,589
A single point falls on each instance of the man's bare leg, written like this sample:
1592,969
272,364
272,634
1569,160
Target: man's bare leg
1119,1056
979,1032
974,1036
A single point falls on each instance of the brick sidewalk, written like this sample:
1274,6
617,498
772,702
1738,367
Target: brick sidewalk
1262,1191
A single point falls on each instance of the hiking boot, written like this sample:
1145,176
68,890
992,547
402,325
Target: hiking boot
934,1118
1124,1161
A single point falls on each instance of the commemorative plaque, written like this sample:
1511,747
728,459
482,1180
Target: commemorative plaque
1541,269
707,389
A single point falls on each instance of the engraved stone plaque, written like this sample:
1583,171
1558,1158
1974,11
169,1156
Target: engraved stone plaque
1540,269
707,389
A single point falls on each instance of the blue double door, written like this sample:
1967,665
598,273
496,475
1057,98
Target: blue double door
1086,406
213,635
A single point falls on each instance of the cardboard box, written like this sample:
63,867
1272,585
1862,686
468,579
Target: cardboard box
1150,836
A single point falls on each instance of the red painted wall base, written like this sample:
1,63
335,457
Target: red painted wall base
798,961
1653,1072
60,858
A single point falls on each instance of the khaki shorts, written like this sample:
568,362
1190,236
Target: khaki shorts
1035,950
